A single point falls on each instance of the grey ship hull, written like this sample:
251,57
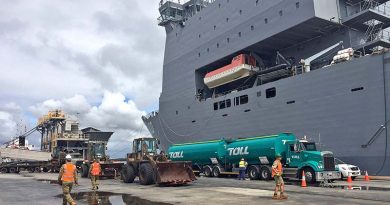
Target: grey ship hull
325,110
340,107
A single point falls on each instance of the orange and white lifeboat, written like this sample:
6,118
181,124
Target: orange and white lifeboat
241,67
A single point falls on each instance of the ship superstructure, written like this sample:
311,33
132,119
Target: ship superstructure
245,68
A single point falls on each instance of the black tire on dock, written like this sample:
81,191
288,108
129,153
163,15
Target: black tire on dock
146,174
207,171
45,169
84,171
254,172
128,174
37,169
265,173
310,175
31,169
12,170
216,171
4,170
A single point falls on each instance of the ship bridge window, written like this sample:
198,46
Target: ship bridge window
222,104
270,92
239,34
240,12
266,21
280,13
297,5
252,28
244,99
257,2
241,100
228,103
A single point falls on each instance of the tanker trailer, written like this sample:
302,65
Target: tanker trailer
260,153
203,155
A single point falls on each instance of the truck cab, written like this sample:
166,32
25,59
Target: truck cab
303,156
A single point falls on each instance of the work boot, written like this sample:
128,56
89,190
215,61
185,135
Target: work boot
275,196
73,203
97,187
282,196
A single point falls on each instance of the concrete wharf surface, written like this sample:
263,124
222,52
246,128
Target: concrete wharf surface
40,188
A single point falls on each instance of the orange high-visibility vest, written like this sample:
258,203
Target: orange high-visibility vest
68,175
95,171
278,167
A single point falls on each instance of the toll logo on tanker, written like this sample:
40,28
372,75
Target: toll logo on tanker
176,155
238,151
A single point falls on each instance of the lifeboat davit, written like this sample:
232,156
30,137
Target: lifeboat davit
241,67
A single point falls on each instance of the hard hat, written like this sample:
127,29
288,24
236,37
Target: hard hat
242,159
68,156
278,156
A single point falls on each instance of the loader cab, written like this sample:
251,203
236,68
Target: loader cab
145,145
97,150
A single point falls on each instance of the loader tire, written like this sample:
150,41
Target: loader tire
84,171
128,174
146,174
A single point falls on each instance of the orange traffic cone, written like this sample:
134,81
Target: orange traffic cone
349,180
303,183
366,177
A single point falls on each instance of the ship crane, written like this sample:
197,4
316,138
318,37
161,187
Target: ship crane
306,62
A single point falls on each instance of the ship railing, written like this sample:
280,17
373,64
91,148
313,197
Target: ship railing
162,2
373,5
380,35
231,91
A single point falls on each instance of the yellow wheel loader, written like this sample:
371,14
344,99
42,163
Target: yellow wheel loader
154,168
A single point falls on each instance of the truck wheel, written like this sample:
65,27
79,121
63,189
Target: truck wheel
310,175
265,173
253,172
12,170
45,169
37,169
216,171
31,170
84,171
207,171
146,174
3,170
128,174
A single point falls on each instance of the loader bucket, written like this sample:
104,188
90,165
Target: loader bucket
174,173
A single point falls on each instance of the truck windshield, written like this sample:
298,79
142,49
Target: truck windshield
310,146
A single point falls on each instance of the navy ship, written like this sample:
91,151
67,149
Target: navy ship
243,68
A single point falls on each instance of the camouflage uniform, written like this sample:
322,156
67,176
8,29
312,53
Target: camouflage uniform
67,187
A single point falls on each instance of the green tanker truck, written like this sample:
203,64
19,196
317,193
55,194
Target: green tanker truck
213,158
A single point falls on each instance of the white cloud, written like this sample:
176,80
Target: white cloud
100,60
113,113
7,125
